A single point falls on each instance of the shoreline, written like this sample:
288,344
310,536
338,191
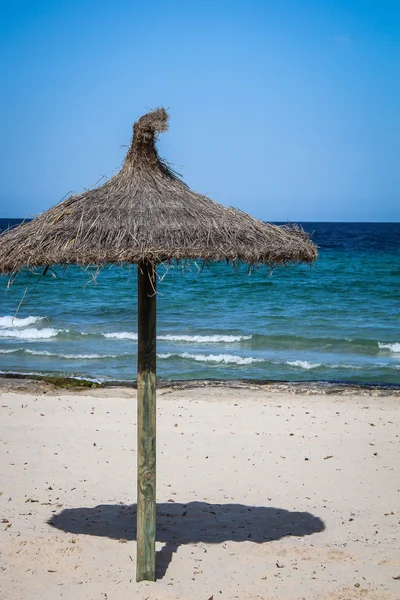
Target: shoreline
24,383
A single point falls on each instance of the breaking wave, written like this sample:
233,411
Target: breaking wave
395,347
169,337
31,334
303,364
204,339
59,354
9,321
123,335
226,359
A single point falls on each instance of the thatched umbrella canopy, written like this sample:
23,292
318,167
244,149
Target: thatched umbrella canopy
146,215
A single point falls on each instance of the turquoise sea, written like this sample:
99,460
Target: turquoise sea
338,320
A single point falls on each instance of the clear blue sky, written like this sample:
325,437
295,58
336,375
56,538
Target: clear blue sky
288,110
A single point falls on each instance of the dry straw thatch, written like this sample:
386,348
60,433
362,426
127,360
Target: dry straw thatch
146,213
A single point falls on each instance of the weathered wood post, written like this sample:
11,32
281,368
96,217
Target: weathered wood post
146,424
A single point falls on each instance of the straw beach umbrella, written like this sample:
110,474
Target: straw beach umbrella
146,215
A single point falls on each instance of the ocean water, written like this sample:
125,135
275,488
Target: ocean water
338,320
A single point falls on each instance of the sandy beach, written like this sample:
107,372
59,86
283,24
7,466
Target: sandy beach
262,494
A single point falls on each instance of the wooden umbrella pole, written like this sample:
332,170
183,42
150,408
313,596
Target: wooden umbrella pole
146,424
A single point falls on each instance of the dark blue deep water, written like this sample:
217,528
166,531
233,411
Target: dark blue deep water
338,320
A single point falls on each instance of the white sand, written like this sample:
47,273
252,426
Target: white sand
242,513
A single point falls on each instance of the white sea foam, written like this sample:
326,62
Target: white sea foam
30,334
92,379
69,356
58,355
227,359
395,347
344,366
204,339
36,373
88,356
37,352
9,321
169,337
303,364
122,335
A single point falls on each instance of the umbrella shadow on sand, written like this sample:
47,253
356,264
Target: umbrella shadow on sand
190,523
